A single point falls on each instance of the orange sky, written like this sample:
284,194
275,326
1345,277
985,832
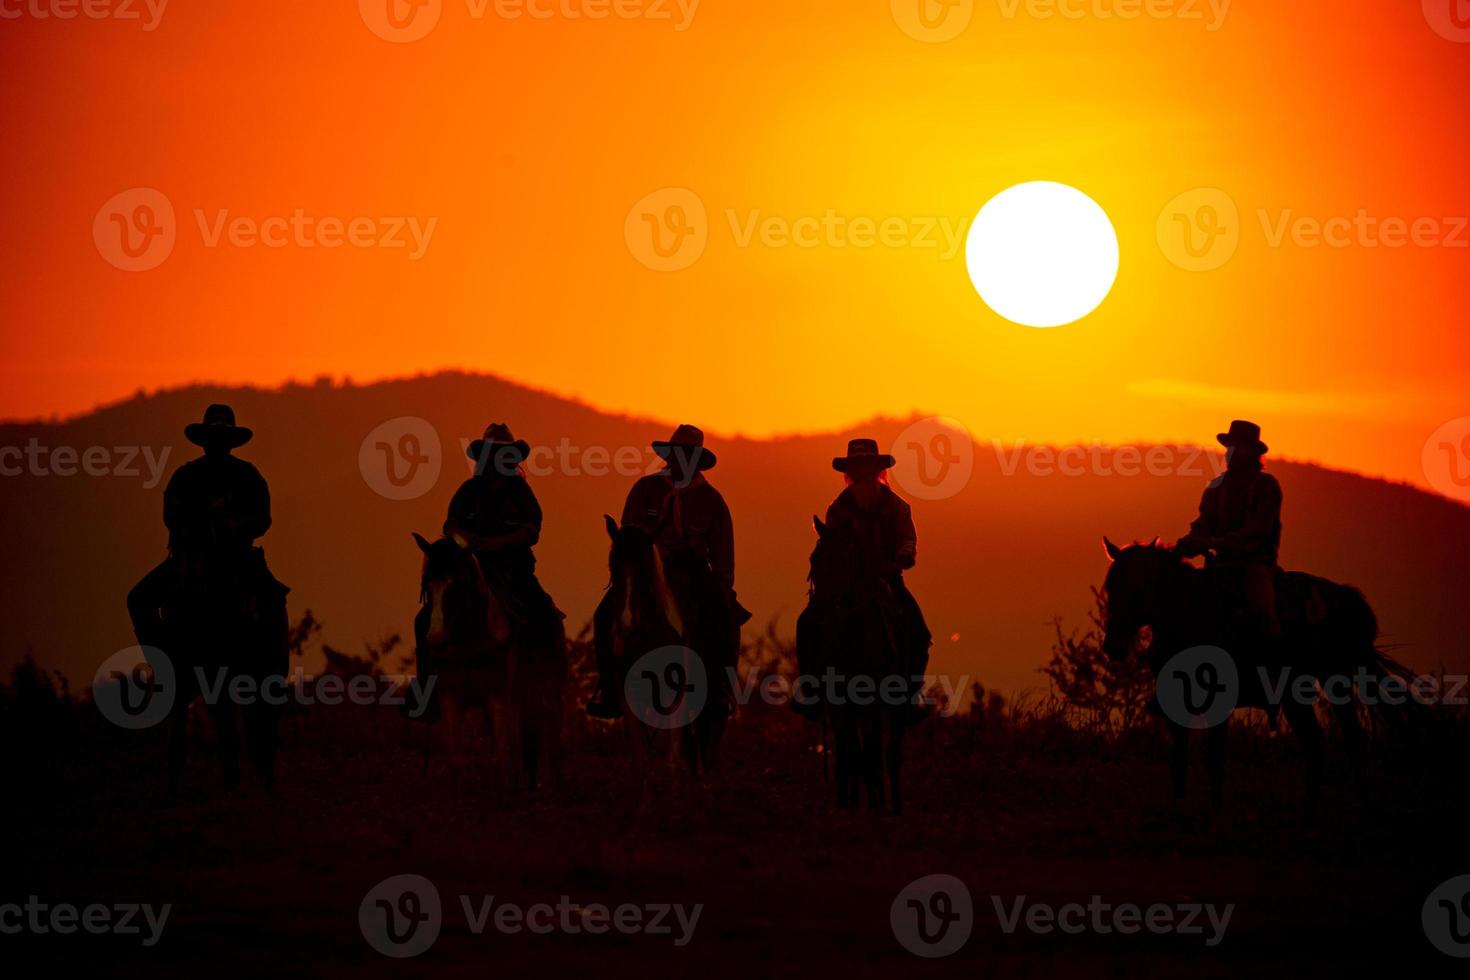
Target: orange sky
526,141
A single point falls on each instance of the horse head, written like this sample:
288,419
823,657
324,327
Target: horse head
1137,579
452,590
638,578
841,570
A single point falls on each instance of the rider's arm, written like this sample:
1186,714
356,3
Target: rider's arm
1202,529
461,505
722,545
173,504
642,499
258,506
907,536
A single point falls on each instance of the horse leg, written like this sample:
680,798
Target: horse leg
895,763
260,740
178,743
1215,740
711,729
842,740
227,738
873,758
1178,761
1355,743
531,747
1303,720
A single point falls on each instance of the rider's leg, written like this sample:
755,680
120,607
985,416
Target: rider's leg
146,600
916,640
804,700
1258,591
609,700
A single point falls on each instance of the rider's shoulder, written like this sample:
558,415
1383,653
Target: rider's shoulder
892,499
1265,481
649,484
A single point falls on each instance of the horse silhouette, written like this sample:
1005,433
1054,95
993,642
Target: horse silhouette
1330,634
476,651
217,630
657,638
852,619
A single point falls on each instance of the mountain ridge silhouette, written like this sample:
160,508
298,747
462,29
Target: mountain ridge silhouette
998,560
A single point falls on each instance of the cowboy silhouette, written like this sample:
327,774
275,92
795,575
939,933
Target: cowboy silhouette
1239,530
214,507
881,520
496,515
690,524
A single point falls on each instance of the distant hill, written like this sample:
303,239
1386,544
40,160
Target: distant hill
1017,546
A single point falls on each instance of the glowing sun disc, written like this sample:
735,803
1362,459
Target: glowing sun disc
1042,254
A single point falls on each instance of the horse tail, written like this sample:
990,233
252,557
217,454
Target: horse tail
1385,670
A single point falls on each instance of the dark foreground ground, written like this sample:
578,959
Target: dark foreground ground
271,886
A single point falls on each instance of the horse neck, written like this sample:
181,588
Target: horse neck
498,620
1181,604
668,603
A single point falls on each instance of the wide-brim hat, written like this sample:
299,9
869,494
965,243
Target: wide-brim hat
218,429
500,446
687,443
1243,435
862,452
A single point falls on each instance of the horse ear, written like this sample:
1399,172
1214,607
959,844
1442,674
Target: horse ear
422,542
821,527
1157,539
611,525
1114,552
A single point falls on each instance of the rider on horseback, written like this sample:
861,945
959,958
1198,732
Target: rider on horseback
495,515
691,526
214,507
883,522
1239,530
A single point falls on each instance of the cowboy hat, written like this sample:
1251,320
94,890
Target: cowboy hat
1246,435
862,451
686,442
498,444
218,429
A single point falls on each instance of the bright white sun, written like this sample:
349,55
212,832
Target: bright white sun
1042,254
